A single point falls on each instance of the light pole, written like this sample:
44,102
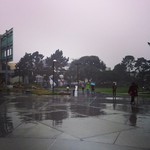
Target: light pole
77,73
53,74
18,69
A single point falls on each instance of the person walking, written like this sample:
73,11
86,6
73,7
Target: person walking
87,87
83,86
114,89
92,88
133,92
68,88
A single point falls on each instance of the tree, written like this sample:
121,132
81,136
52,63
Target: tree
37,63
29,66
120,68
142,67
120,72
129,62
23,66
91,65
60,64
73,71
106,78
87,67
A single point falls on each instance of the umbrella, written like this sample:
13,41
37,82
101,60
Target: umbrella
92,83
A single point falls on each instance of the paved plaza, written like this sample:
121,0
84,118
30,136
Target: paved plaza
30,122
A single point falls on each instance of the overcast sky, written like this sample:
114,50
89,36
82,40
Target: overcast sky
109,29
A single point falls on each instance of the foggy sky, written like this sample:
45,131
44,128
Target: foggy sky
109,29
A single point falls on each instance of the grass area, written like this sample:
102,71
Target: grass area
35,90
62,91
122,91
41,92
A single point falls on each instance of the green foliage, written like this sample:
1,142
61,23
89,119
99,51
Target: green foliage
87,67
59,65
41,92
133,70
143,70
121,91
128,62
30,65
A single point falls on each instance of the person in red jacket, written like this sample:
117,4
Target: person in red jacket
133,92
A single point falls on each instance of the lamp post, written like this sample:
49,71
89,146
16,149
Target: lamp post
18,69
53,75
77,73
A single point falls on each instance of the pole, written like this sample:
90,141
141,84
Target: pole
77,75
77,72
19,76
53,75
53,78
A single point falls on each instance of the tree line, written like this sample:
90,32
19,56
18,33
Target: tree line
87,67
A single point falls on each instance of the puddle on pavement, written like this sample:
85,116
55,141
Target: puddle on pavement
6,125
28,109
111,98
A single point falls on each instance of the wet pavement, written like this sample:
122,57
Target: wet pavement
30,122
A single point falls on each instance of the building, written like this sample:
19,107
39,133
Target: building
6,54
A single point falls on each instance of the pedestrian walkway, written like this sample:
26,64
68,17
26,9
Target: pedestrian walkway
29,122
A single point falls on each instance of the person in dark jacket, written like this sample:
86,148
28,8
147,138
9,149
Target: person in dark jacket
114,89
133,92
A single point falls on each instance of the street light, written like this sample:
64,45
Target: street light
18,69
77,73
53,73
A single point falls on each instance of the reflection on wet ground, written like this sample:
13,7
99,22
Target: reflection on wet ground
6,125
29,108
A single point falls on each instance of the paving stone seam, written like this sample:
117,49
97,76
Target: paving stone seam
96,135
117,137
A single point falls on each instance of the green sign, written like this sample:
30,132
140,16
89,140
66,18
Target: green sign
7,46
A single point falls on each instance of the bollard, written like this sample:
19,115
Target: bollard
76,91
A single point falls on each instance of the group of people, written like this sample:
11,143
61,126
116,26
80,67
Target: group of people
132,91
89,87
